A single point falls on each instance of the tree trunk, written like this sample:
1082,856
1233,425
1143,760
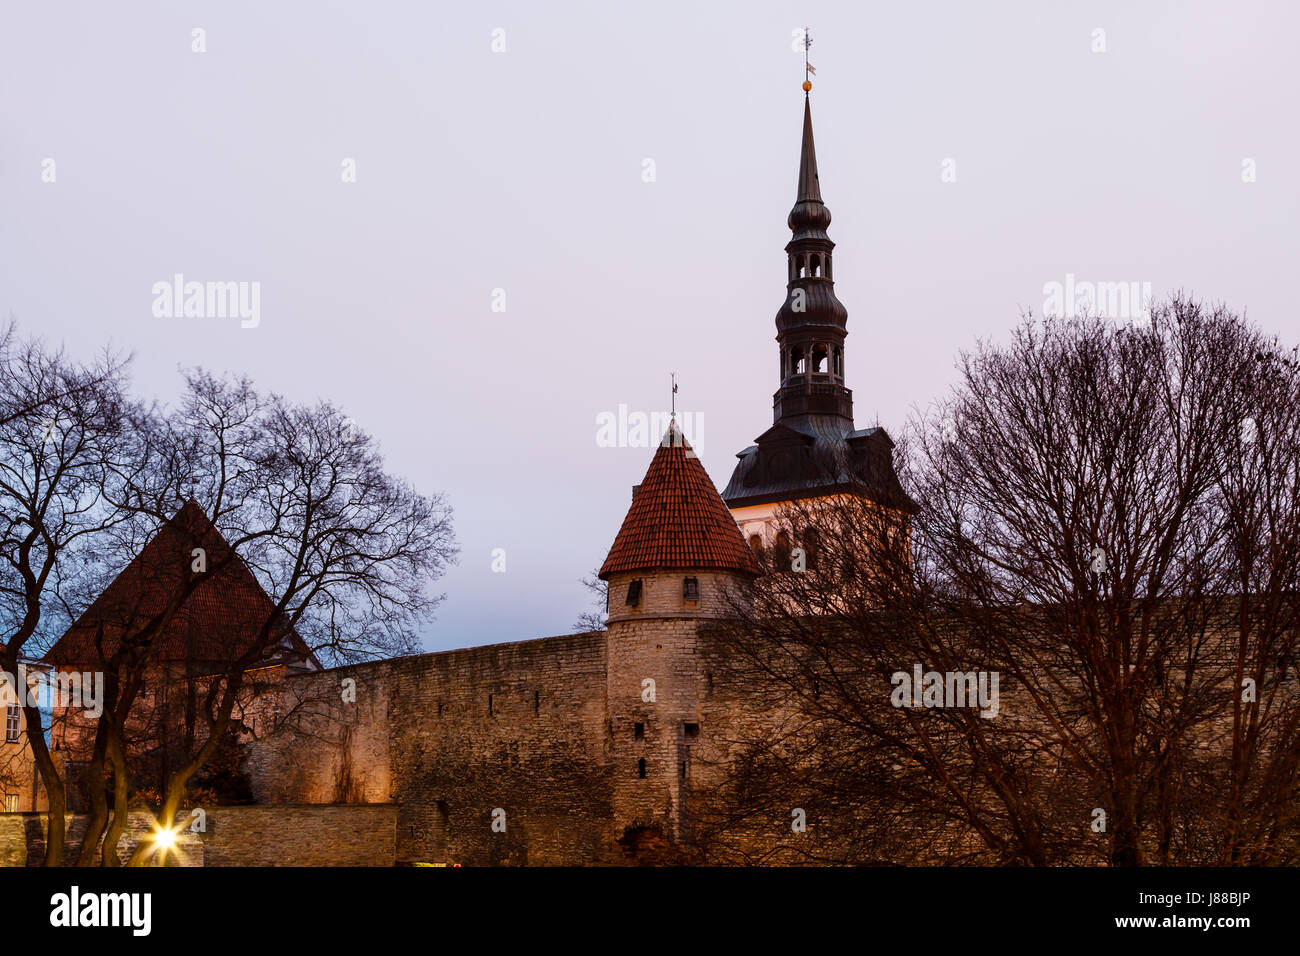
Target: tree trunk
120,811
98,802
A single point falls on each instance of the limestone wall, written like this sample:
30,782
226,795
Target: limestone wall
330,835
496,754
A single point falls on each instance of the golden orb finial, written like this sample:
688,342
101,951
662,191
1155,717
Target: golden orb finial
807,85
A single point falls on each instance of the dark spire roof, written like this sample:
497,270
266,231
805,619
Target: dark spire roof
809,219
677,520
809,187
812,449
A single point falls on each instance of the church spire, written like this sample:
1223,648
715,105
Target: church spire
811,451
810,189
811,324
809,218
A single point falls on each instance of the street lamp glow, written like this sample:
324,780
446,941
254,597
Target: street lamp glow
164,839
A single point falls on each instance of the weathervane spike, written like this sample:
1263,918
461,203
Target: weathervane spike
808,69
674,378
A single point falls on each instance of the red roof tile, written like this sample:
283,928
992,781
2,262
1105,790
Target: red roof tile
677,520
216,624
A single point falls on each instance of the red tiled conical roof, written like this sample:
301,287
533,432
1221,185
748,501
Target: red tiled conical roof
677,520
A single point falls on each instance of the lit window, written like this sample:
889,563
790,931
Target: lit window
11,803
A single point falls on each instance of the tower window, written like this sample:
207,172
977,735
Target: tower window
640,768
683,769
490,710
691,589
781,552
537,702
816,266
838,360
638,731
634,593
811,545
691,730
819,358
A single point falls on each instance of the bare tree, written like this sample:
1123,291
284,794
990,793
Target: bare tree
61,425
593,619
1109,524
289,510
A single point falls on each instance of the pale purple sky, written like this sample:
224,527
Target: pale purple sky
522,170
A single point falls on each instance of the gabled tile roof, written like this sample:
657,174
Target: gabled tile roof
677,520
215,625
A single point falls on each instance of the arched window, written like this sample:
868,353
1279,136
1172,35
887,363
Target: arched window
838,362
819,358
756,546
781,552
796,361
816,263
811,547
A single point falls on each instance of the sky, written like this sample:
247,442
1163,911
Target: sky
481,229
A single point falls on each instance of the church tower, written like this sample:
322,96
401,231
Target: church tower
678,560
812,449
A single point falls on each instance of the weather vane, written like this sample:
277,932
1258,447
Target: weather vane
808,68
674,378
